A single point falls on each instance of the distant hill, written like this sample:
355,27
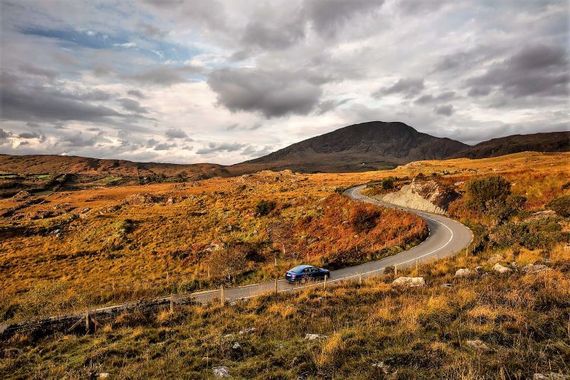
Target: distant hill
367,146
51,164
537,142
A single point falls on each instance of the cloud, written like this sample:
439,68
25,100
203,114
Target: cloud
538,70
132,105
273,36
220,147
164,75
428,98
328,17
174,133
20,101
445,110
272,93
136,93
406,86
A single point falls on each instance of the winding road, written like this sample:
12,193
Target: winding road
447,237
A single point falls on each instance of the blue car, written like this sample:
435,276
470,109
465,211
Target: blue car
304,273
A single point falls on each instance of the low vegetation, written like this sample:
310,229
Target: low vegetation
125,242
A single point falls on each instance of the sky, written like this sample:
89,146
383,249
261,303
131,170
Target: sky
227,81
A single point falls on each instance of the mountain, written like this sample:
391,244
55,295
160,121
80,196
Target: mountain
538,142
366,146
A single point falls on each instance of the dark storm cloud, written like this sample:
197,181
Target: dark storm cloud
328,17
136,93
20,101
445,110
3,135
406,86
538,70
174,133
132,105
221,147
272,36
273,94
428,98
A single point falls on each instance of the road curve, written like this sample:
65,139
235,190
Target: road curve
446,238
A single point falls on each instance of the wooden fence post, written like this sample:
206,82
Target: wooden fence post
360,279
171,303
417,267
222,297
325,283
395,269
87,322
276,290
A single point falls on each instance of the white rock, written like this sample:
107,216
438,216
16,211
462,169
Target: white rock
314,336
409,281
221,371
550,376
247,330
478,345
501,269
236,346
534,268
464,272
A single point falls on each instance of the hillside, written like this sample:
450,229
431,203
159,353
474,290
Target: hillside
360,147
537,142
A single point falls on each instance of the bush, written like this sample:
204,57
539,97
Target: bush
561,206
364,218
488,194
264,207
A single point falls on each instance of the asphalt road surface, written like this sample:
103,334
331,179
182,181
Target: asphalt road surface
446,238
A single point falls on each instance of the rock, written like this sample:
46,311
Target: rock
247,330
534,268
221,371
236,346
103,375
382,366
314,336
495,259
464,272
550,376
501,269
477,344
410,282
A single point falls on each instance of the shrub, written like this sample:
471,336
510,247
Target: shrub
488,194
363,218
264,207
561,206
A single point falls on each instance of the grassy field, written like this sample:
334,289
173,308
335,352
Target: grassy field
68,250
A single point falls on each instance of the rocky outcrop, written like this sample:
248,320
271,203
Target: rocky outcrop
410,282
423,194
501,269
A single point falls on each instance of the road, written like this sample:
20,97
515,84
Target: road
447,237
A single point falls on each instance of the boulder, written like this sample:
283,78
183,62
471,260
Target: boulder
478,345
464,272
534,268
501,269
550,376
410,282
221,371
314,336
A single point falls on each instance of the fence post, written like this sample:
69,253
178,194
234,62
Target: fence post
395,269
87,322
276,291
417,267
360,279
171,303
222,297
325,283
